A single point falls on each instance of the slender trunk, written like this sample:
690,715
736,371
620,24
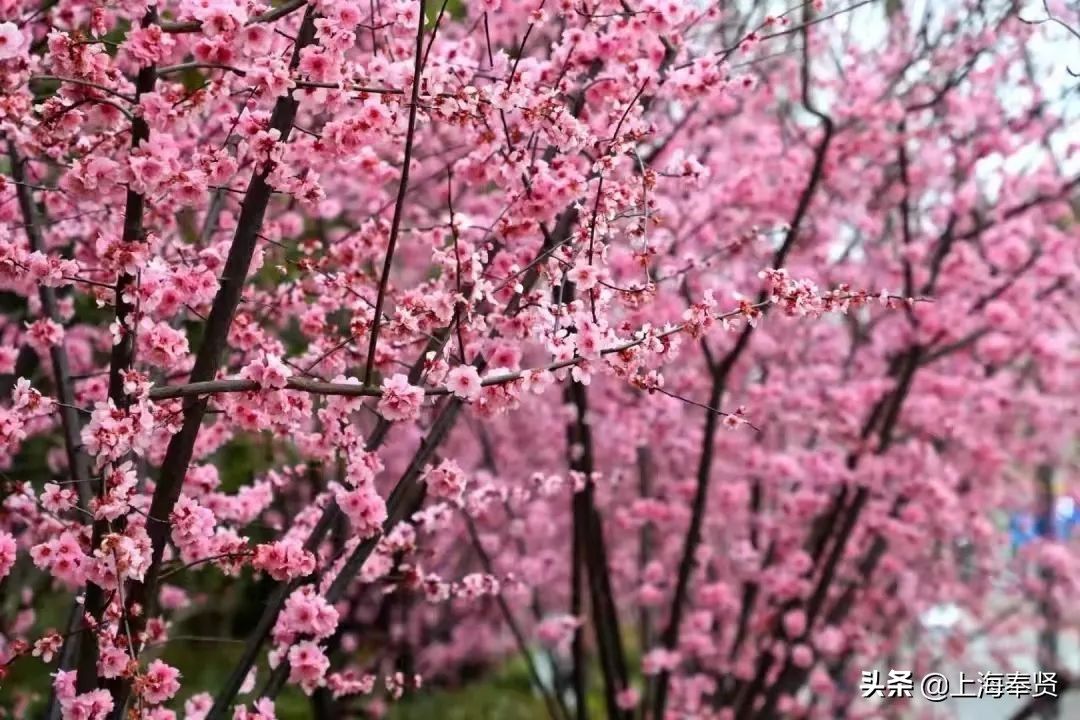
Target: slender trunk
179,453
78,462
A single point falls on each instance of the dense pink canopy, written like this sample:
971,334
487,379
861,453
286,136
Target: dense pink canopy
701,349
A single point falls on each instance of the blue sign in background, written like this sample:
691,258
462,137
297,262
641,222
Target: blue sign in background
1025,527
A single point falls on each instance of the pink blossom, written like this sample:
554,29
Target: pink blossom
802,655
158,683
446,480
283,560
269,372
112,661
160,344
192,528
307,666
659,660
464,382
262,709
56,499
8,356
829,640
47,646
198,706
11,41
7,553
26,399
794,623
148,45
50,270
628,698
365,509
112,432
584,276
400,400
238,339
44,334
63,685
556,631
306,613
93,705
350,682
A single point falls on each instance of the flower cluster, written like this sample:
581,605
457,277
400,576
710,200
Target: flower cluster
396,341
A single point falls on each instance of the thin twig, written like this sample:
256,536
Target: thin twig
399,204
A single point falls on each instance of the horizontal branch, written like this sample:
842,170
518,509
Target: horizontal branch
319,387
193,26
84,83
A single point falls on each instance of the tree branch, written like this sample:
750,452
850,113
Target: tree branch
670,636
208,360
78,462
403,188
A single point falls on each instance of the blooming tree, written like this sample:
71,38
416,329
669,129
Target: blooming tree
688,351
